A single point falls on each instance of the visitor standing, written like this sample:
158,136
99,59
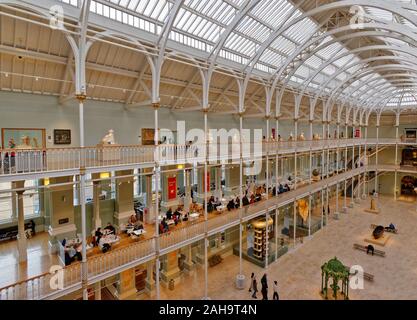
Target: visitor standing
251,282
264,290
254,287
275,287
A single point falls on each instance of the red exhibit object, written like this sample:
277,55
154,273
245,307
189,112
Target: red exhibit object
172,188
357,133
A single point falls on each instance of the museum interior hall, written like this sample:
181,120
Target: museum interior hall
208,149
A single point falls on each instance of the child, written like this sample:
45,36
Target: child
275,287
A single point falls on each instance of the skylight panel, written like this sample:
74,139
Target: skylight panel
240,44
301,31
273,58
284,45
253,29
314,61
273,12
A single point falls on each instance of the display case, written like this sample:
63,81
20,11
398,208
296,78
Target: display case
262,232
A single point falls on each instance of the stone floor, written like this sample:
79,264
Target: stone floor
298,272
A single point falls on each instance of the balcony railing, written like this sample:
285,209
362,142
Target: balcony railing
15,162
119,259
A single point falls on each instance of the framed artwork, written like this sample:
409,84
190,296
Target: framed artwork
148,136
62,136
23,138
411,133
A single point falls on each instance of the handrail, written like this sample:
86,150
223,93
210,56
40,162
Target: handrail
118,257
16,161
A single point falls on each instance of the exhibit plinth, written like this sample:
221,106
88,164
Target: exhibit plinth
382,241
373,208
376,211
106,152
240,281
339,296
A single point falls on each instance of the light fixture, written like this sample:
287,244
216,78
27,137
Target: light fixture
180,166
37,79
46,182
6,75
104,175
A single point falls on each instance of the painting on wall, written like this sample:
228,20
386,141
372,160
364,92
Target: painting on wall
62,136
148,136
22,138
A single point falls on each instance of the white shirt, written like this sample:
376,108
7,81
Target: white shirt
275,287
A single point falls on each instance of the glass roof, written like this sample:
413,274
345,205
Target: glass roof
200,23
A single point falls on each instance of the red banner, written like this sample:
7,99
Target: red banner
208,182
172,188
273,133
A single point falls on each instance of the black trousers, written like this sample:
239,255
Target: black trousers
275,296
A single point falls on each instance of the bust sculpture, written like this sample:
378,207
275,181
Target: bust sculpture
109,138
301,137
290,138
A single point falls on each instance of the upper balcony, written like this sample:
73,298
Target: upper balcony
33,164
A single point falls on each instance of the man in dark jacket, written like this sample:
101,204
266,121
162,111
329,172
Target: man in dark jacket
264,290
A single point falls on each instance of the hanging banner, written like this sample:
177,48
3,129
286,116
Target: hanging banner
208,181
172,188
273,133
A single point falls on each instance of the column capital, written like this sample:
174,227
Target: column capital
338,123
156,105
205,110
267,117
310,121
276,118
296,119
241,113
81,97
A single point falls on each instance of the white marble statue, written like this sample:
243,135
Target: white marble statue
109,138
302,138
290,138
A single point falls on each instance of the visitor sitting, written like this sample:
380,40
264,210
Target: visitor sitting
97,236
274,191
169,214
370,248
280,189
231,205
245,200
287,187
177,214
216,203
210,207
252,199
110,229
391,226
164,225
258,196
132,219
185,218
31,226
237,203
